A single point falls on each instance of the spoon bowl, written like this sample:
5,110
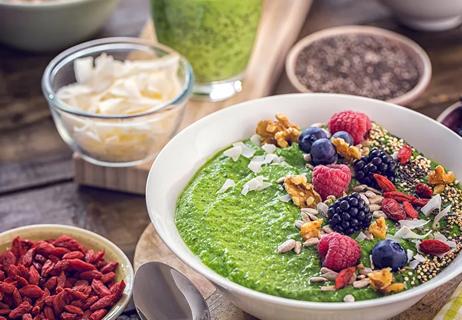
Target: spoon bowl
163,293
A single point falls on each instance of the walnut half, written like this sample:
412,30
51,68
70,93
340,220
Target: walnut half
280,132
302,193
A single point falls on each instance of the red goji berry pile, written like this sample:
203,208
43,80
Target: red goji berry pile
56,279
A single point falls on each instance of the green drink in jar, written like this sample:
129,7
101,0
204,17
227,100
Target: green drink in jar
216,36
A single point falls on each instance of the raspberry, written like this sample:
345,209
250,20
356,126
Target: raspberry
357,124
338,252
332,179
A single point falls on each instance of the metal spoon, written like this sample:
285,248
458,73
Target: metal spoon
163,293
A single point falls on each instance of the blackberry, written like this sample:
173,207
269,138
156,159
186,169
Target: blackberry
349,214
377,161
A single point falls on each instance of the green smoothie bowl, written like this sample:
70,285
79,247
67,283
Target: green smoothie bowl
313,205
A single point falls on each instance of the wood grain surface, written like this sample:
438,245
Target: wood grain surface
280,24
36,168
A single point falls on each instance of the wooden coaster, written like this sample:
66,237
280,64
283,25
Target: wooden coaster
151,248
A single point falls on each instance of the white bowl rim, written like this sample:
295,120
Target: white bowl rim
300,304
420,53
129,278
45,4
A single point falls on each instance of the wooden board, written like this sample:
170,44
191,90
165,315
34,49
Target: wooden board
279,28
151,248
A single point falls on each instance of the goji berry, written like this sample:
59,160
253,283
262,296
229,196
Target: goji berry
89,302
109,267
433,247
410,211
404,154
27,316
7,258
118,289
420,202
104,302
69,316
384,183
393,209
68,243
27,258
73,309
32,291
79,265
74,255
90,275
5,311
49,313
423,190
61,280
98,315
47,268
345,277
100,289
34,276
399,196
108,277
20,310
17,297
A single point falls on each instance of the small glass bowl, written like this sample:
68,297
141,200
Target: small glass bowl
114,140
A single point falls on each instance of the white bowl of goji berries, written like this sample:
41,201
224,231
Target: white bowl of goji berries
62,272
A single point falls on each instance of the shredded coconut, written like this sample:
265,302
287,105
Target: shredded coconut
255,184
229,183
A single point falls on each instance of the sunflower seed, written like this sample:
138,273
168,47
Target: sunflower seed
309,166
298,247
307,157
365,271
366,199
281,180
348,298
305,217
298,224
361,283
374,190
286,246
331,275
310,210
361,276
312,217
317,279
327,288
360,188
376,200
311,242
374,207
327,229
370,194
322,208
325,270
378,214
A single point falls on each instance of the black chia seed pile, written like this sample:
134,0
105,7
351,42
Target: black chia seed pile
358,64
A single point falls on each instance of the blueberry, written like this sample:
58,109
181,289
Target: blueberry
344,135
309,136
323,152
389,254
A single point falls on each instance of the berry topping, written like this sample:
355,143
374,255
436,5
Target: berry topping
433,247
393,209
423,190
338,252
410,211
323,152
349,214
345,277
384,183
310,135
404,154
389,254
376,162
345,136
357,124
332,179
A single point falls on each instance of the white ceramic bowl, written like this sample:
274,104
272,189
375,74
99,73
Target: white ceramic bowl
90,240
413,49
53,24
427,15
190,148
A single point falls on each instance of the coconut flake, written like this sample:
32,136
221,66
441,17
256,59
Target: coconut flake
420,258
255,184
433,204
406,233
441,237
269,148
440,215
233,152
361,236
229,183
413,264
247,151
256,140
285,198
413,224
410,254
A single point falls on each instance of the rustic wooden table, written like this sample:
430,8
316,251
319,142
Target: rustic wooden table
36,176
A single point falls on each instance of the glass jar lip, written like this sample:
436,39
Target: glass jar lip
101,45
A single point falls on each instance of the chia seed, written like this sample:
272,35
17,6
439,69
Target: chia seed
358,64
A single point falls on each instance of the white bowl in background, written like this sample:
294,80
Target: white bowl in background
51,25
413,49
427,15
189,149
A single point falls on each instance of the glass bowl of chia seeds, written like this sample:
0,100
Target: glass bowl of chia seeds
360,60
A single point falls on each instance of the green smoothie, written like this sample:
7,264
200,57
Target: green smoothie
216,36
